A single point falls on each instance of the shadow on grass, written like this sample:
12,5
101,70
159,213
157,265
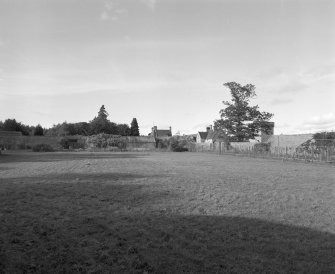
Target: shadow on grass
99,227
15,157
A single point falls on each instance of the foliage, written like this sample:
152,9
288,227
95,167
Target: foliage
323,139
24,146
38,130
81,128
123,129
162,143
43,148
101,124
57,130
319,141
103,114
13,125
66,143
240,120
134,129
103,140
178,144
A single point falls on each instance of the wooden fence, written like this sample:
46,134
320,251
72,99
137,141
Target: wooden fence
324,154
320,154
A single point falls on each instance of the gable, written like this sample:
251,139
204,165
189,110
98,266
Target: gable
203,134
163,132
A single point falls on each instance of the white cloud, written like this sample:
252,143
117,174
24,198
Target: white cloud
325,122
111,12
281,101
151,4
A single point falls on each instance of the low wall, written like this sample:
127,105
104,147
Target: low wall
27,142
133,143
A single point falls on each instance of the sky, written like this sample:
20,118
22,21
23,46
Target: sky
164,62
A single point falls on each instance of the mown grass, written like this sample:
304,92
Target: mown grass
164,213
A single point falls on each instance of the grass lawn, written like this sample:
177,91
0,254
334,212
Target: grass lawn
164,213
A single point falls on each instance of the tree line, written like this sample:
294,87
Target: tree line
100,124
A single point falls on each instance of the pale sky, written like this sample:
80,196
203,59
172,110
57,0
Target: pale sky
164,61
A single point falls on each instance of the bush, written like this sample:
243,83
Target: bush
178,145
66,143
104,141
43,148
261,147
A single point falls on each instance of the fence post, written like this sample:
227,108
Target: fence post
327,154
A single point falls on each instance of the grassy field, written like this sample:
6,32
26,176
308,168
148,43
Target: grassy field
164,213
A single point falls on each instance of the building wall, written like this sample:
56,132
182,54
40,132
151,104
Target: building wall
199,140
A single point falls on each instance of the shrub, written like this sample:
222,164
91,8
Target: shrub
43,148
162,144
261,147
178,145
66,143
103,140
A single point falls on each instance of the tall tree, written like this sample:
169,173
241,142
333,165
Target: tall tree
101,124
103,114
123,129
38,130
134,130
240,120
13,125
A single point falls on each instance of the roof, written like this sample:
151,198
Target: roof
163,132
203,134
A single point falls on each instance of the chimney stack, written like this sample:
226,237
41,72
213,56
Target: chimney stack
207,129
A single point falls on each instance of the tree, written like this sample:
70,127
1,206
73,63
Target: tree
101,124
240,120
103,114
134,130
13,125
323,139
38,130
123,129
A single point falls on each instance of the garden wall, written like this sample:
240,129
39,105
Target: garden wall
14,140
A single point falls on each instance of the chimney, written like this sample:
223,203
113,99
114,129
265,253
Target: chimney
171,131
207,129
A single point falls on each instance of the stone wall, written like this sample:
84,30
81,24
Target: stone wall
14,141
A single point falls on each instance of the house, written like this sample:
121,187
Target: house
202,135
160,133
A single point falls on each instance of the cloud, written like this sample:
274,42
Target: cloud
292,87
271,73
151,4
325,122
111,12
318,72
281,101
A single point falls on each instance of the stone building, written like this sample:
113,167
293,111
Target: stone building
160,133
